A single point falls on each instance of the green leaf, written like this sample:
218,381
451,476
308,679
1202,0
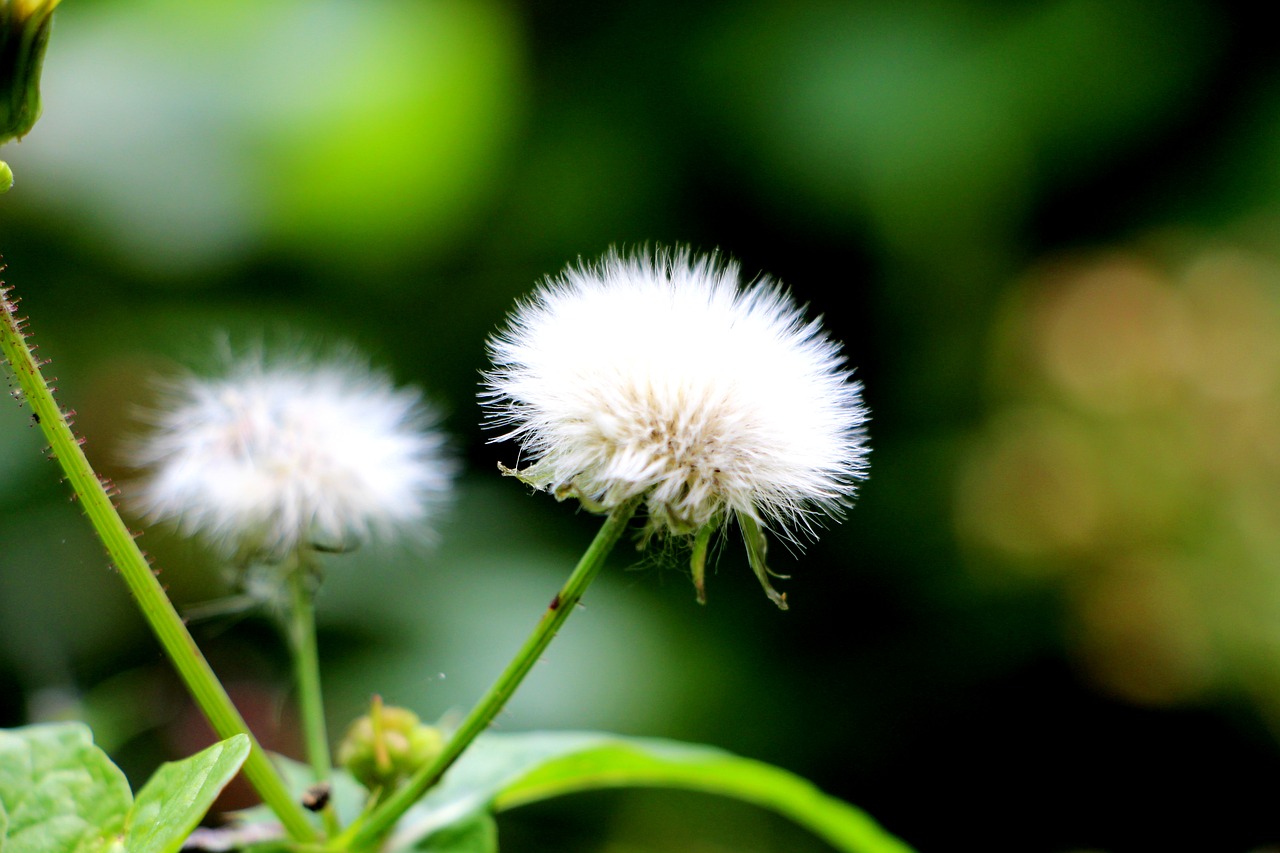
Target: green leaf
477,835
505,771
502,772
179,794
59,792
673,765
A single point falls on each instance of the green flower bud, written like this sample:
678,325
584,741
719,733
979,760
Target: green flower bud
24,33
6,177
386,746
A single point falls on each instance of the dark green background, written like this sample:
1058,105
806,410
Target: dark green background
396,174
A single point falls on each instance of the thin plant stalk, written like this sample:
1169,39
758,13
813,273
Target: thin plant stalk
366,833
301,628
160,614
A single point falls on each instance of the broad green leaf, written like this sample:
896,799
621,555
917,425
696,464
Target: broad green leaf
504,771
179,794
673,765
60,793
501,772
477,835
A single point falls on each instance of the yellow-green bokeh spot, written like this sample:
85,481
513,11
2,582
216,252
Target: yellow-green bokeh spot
356,137
24,33
428,94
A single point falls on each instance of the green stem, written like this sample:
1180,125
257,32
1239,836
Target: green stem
306,667
382,819
168,627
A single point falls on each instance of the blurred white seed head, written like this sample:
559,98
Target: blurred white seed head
271,458
659,375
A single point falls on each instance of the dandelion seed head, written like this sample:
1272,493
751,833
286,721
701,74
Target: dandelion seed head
656,374
270,458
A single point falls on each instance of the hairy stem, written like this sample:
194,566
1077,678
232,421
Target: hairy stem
168,627
378,823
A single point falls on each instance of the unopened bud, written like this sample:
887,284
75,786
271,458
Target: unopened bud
24,34
386,746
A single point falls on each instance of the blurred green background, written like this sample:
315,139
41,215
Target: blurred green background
1048,233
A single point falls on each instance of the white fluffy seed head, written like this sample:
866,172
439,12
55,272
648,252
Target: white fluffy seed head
658,375
272,458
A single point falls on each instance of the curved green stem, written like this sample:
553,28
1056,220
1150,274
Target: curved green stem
383,818
165,622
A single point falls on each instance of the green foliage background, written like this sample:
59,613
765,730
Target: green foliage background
394,173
